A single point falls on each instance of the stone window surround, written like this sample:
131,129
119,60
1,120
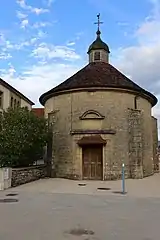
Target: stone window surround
136,102
94,112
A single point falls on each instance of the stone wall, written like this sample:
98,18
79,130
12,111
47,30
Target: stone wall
155,144
135,132
28,174
113,105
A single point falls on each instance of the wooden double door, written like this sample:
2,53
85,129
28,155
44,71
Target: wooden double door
92,162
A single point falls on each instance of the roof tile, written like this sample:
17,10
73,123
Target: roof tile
98,74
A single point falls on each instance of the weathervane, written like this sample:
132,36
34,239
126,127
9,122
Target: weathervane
98,22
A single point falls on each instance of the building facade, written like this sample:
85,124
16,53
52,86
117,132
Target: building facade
11,97
99,120
39,112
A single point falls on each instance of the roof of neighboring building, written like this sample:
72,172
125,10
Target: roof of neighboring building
12,89
39,112
98,75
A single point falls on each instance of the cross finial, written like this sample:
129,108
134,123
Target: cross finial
98,22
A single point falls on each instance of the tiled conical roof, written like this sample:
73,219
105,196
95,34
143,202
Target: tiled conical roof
98,75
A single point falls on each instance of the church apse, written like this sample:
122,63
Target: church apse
94,106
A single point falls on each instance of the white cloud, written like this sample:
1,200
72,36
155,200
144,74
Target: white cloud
41,34
24,23
23,44
21,15
21,3
37,11
38,79
45,51
148,32
33,40
4,55
155,9
141,61
46,72
75,39
49,2
41,24
9,46
11,70
2,39
71,43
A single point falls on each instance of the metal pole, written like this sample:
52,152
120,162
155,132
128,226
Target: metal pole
123,179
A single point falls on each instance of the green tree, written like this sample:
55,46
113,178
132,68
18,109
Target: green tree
22,137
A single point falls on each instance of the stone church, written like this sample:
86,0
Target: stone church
101,119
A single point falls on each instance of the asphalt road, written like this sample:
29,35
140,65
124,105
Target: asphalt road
59,216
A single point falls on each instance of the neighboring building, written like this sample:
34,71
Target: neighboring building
10,97
39,112
100,120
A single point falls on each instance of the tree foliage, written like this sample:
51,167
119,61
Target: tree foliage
22,137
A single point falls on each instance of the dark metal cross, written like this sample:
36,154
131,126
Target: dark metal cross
98,22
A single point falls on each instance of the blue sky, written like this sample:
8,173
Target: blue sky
45,41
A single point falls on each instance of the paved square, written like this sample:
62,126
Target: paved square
59,209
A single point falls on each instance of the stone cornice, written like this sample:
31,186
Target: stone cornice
107,131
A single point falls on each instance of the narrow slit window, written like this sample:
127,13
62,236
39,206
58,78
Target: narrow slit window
135,102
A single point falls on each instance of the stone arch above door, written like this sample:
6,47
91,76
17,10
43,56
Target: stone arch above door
91,114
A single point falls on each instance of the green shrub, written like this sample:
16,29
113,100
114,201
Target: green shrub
22,137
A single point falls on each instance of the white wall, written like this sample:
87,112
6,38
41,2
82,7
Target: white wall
26,104
7,99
